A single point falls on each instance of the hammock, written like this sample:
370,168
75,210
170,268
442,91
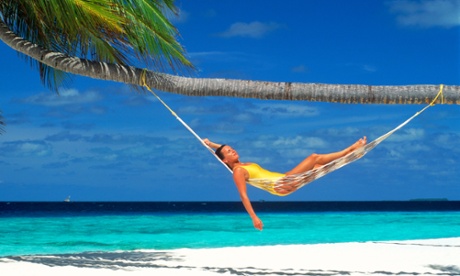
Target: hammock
290,183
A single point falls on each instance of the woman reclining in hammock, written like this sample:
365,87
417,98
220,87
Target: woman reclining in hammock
242,172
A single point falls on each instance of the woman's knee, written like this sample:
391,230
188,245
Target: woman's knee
314,157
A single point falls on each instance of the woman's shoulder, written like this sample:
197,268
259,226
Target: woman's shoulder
241,167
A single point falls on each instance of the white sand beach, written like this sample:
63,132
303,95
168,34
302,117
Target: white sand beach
433,257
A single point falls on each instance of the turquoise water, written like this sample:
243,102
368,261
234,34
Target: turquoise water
20,235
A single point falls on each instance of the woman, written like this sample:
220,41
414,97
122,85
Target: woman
243,171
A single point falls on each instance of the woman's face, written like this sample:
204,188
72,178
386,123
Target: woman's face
229,154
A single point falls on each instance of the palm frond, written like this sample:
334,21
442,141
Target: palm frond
115,31
151,20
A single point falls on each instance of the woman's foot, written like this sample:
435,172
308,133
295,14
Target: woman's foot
360,143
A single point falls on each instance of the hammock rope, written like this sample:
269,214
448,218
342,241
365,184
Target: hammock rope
290,183
144,83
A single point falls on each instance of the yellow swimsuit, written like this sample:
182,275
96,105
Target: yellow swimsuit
257,172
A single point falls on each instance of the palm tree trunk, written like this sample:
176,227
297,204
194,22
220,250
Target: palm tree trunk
410,94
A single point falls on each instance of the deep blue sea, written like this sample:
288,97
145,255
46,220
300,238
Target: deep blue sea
73,227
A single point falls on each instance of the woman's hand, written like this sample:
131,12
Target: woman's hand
210,144
257,223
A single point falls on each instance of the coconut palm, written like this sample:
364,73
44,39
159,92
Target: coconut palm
103,39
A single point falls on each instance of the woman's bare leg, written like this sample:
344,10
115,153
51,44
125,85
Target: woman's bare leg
316,160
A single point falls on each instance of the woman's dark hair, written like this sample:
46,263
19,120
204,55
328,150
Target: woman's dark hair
219,152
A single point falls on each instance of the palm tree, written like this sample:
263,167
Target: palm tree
94,40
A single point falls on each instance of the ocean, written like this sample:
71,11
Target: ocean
28,228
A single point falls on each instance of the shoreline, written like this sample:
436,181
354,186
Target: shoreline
431,256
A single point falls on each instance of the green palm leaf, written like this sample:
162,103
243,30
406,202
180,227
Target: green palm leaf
114,31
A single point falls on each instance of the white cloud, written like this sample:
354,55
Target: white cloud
427,13
244,117
300,142
26,149
206,54
293,142
181,17
288,149
220,57
65,97
299,69
286,109
361,67
369,68
449,141
338,133
254,29
410,134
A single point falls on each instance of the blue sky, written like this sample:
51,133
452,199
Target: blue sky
102,141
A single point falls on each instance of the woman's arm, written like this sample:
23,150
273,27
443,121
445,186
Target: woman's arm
240,181
211,144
